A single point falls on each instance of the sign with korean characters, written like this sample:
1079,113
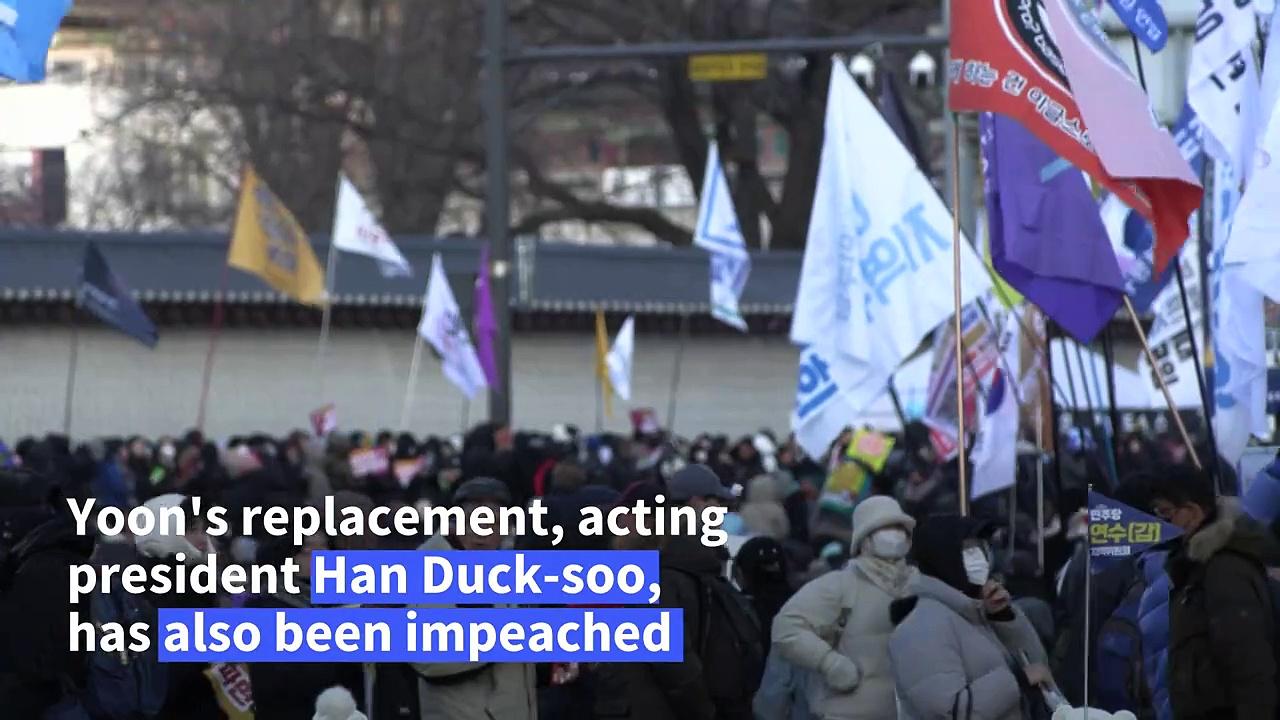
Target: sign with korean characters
728,68
1118,531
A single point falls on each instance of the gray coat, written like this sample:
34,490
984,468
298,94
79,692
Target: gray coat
946,654
474,691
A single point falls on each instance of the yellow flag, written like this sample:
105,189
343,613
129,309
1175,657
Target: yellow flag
602,365
270,243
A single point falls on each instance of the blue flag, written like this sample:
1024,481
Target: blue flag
102,294
1145,19
26,30
1047,239
1117,531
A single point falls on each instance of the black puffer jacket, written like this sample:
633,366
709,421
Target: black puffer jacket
666,691
36,664
288,691
1221,628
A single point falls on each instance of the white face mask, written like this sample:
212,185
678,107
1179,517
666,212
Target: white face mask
977,568
890,543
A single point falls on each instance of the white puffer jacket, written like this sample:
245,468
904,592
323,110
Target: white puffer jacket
842,612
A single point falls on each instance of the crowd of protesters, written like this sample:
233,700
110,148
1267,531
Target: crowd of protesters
887,605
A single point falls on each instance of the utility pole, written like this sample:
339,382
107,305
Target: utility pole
497,179
497,203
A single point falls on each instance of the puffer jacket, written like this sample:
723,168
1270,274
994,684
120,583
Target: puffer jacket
1153,620
1221,628
474,691
842,612
946,654
668,691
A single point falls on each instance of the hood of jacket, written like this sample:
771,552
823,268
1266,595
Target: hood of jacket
763,489
687,553
1231,529
937,547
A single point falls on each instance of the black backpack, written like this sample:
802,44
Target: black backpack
731,646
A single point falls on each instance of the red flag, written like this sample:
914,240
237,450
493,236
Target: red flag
1004,60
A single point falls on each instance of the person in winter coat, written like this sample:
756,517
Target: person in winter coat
479,690
284,690
762,512
1107,588
40,546
665,691
961,648
1221,629
838,626
760,569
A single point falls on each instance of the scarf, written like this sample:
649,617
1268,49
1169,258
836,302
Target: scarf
891,576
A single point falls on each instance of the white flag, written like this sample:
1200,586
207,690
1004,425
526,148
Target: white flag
1222,82
356,230
718,232
876,276
619,359
1243,273
442,326
1170,343
995,448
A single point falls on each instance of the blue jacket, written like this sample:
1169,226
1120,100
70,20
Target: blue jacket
1262,500
109,485
1153,619
783,691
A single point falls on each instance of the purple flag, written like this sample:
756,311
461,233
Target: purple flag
485,327
1047,238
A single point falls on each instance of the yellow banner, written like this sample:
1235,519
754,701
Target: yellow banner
727,68
270,243
602,366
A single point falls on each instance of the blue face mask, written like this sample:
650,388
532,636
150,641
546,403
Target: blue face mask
733,524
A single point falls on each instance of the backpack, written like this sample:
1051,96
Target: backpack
731,646
1120,680
118,685
124,685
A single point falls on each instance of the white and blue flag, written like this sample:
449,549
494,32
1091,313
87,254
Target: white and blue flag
26,30
718,233
876,276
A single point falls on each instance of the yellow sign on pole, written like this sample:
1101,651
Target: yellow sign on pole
728,68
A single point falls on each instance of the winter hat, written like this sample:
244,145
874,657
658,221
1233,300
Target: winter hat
482,489
876,513
336,703
159,543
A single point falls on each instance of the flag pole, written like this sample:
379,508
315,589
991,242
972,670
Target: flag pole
1109,352
326,317
73,364
957,324
1164,388
675,374
1205,405
411,382
214,333
1040,487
